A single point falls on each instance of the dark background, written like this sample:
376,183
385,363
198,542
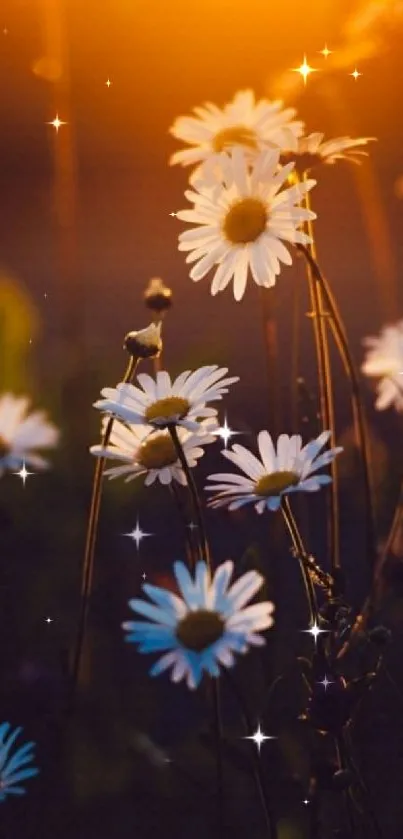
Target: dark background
84,224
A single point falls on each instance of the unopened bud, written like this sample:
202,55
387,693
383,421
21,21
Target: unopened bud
146,343
157,296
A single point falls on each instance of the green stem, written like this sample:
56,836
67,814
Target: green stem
339,333
302,557
89,553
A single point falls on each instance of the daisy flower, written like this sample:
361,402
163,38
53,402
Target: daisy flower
144,451
161,403
288,469
243,122
242,222
11,768
384,361
312,151
205,626
21,433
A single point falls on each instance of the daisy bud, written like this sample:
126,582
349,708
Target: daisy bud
157,296
146,343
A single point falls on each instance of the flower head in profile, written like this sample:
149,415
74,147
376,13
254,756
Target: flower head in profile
22,433
161,402
384,362
244,222
282,470
253,125
205,626
14,768
145,451
146,343
313,151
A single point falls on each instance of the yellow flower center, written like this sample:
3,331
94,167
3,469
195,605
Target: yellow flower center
170,408
4,447
157,451
245,221
198,630
275,483
237,135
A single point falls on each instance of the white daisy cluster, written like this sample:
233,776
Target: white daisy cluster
140,437
21,434
243,203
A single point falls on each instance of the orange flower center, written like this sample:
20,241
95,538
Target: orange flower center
170,408
275,483
245,221
157,451
237,135
198,630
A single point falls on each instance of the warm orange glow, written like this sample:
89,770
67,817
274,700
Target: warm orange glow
304,70
108,83
355,74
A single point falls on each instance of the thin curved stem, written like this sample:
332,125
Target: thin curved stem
326,394
339,333
197,510
302,556
89,553
189,546
258,774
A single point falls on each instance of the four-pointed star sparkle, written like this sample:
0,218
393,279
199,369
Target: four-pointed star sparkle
315,631
23,473
304,69
258,737
326,52
225,432
326,682
56,122
137,534
355,74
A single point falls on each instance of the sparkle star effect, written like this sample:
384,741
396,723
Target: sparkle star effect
108,83
23,473
315,631
326,52
225,432
173,215
258,737
56,122
355,75
49,620
304,70
144,575
326,682
137,534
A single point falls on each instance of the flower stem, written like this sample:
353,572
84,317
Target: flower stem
358,411
204,554
89,553
189,545
257,771
302,557
326,394
197,510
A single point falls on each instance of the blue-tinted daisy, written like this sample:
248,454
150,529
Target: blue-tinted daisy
289,468
202,628
143,450
14,768
22,433
384,362
161,402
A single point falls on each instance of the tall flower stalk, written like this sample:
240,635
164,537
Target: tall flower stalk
318,315
339,333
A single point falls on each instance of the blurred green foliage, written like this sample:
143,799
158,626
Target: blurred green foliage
19,323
